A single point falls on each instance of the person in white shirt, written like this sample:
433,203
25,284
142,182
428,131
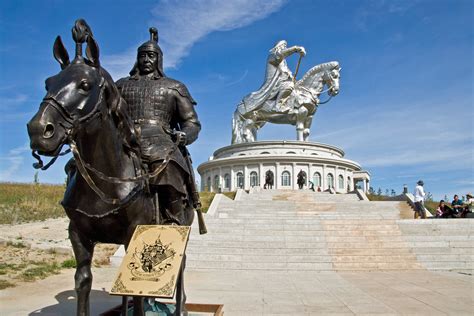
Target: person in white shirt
469,205
419,200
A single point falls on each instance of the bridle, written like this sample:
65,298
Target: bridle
328,89
71,126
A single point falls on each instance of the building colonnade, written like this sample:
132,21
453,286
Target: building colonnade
285,175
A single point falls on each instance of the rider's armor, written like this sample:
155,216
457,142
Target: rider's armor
153,109
158,105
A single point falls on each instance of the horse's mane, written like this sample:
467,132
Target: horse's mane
318,68
118,110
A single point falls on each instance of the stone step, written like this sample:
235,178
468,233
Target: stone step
309,266
258,251
301,230
317,231
407,258
344,225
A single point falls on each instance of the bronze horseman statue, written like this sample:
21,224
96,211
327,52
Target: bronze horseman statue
130,166
163,113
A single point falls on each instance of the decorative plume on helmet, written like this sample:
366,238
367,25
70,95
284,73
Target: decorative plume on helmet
151,46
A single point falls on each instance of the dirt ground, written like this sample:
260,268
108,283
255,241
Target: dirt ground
26,256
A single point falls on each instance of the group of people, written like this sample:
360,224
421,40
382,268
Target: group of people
458,208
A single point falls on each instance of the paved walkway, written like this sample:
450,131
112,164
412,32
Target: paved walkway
275,292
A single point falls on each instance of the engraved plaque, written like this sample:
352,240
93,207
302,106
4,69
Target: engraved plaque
152,263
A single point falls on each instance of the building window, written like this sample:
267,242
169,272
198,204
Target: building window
286,179
291,152
216,183
341,182
227,181
264,153
317,179
208,184
330,181
253,179
240,180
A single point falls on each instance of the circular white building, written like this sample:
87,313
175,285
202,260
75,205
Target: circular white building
244,166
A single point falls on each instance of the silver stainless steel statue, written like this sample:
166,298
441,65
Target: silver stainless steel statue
283,100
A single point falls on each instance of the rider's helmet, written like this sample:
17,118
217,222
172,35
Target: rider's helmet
279,45
151,46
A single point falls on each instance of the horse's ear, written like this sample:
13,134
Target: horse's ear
92,51
60,53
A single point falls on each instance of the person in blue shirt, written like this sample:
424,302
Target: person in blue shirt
457,204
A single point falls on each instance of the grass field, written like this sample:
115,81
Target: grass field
29,202
21,203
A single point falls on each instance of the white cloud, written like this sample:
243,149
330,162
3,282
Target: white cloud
182,23
373,12
244,75
11,163
10,101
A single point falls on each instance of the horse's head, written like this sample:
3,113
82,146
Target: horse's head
331,77
73,96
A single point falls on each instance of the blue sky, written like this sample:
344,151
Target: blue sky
405,111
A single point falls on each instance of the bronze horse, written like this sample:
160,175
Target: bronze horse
106,196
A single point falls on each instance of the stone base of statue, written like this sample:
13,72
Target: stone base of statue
163,309
255,164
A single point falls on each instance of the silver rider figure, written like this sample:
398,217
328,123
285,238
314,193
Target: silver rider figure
279,81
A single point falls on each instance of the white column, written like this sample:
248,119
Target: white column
346,183
221,182
277,176
294,186
232,181
246,178
323,179
260,175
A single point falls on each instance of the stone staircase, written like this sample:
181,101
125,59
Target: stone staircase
318,231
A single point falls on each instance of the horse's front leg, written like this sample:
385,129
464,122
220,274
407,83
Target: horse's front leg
307,126
83,251
299,131
300,120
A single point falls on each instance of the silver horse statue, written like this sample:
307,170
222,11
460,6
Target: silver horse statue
282,99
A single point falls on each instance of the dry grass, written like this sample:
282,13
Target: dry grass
431,206
207,197
18,263
20,203
29,202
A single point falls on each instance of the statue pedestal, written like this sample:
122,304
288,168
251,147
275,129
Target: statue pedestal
165,309
245,165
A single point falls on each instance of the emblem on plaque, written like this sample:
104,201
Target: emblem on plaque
152,262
